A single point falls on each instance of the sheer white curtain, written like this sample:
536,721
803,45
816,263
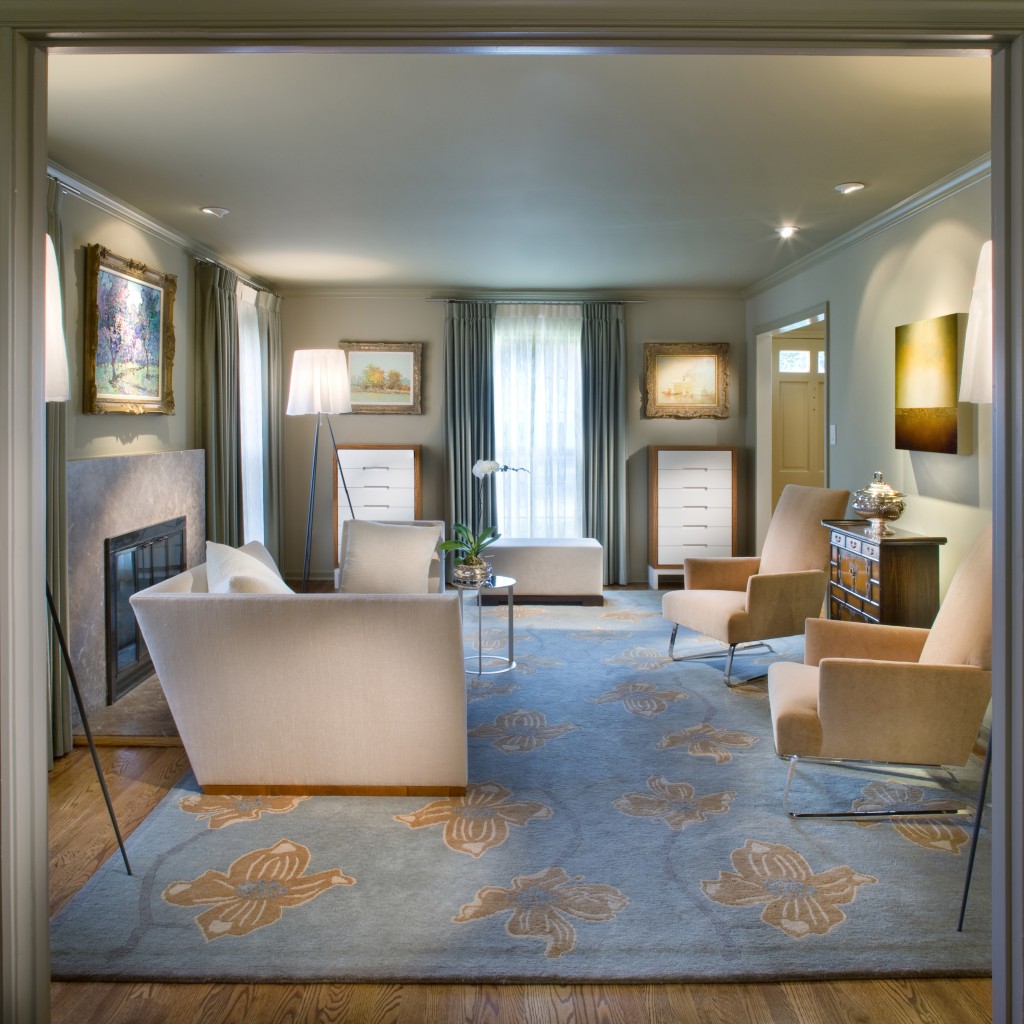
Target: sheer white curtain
537,420
250,414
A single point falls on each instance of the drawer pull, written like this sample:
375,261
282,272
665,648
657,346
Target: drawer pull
386,469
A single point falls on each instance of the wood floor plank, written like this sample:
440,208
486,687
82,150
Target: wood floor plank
81,839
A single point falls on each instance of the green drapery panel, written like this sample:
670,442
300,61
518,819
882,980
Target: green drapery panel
268,310
216,384
61,739
468,406
603,364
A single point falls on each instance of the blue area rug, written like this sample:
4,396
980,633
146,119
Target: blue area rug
624,823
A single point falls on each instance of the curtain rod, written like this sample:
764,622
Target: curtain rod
539,302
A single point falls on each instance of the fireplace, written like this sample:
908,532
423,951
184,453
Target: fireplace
133,562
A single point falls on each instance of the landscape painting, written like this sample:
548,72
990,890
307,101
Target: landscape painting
926,385
686,381
385,376
129,335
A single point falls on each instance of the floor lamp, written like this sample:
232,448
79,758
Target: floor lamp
57,389
976,386
319,386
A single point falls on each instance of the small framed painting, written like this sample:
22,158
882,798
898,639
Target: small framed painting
686,381
129,335
927,411
385,375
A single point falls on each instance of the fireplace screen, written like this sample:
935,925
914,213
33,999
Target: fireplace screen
135,561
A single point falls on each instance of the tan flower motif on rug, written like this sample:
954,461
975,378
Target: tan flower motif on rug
255,891
221,811
705,740
796,900
488,640
639,698
628,615
516,732
647,659
931,833
674,803
538,905
599,636
478,821
528,665
479,687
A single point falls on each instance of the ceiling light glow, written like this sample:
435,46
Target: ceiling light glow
215,211
786,231
844,188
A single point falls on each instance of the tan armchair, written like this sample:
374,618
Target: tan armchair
746,601
919,699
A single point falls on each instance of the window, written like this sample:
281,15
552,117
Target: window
537,420
250,414
794,361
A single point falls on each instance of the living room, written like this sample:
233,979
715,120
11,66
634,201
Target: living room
907,267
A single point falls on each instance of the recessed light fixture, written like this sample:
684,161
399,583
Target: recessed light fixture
215,211
786,231
844,188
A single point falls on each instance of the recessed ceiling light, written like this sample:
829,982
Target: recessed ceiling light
215,211
786,231
846,187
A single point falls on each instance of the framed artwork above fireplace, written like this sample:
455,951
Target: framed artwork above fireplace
129,335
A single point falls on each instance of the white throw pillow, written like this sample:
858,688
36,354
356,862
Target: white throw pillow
256,585
224,563
387,558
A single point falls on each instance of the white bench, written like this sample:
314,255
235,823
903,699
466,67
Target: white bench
566,570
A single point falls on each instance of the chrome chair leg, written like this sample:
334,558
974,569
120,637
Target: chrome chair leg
876,766
702,655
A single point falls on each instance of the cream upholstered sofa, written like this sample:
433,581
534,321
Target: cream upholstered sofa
277,692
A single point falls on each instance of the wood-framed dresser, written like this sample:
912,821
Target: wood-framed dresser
691,507
892,579
383,482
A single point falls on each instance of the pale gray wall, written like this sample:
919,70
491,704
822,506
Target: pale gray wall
918,268
322,320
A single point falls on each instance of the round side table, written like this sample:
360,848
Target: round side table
504,664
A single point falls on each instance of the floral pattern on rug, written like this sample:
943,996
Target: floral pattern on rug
932,834
221,811
704,740
628,615
255,891
796,899
538,905
646,659
478,821
519,731
641,698
674,803
600,636
482,687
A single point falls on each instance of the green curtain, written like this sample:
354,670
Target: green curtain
216,387
468,405
603,364
61,739
268,310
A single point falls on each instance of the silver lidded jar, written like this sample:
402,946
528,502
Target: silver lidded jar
879,504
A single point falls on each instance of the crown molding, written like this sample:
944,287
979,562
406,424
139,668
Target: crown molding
966,177
114,207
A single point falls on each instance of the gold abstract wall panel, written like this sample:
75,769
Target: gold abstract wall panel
926,385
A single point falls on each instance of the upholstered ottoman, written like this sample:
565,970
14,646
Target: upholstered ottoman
550,571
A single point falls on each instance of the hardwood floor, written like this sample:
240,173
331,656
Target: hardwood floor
81,839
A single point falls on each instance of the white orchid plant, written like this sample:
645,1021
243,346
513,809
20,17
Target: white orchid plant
469,542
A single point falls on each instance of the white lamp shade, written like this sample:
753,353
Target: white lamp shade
56,383
976,376
319,382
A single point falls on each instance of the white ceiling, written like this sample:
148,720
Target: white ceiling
513,172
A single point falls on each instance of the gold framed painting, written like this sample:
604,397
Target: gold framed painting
686,381
385,376
129,335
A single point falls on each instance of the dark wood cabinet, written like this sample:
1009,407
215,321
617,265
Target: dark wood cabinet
892,579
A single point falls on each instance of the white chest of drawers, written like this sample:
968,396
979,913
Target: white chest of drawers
691,507
383,483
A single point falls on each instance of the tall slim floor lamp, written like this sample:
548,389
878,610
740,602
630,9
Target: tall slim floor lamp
57,389
320,386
